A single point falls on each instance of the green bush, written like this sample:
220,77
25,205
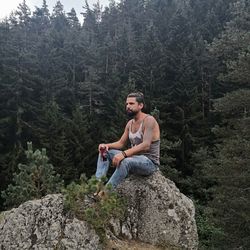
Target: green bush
80,200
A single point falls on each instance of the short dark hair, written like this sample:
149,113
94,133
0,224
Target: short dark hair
139,97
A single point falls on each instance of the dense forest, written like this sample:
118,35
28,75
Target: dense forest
64,83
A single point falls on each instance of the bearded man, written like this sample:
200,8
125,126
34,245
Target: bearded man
143,157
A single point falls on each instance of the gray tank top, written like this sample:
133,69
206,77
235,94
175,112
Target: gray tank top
136,138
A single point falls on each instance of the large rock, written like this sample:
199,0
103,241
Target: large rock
158,213
42,224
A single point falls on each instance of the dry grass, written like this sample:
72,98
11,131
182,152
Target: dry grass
132,245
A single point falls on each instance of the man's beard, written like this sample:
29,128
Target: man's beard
131,113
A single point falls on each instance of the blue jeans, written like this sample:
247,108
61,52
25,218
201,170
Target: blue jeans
137,164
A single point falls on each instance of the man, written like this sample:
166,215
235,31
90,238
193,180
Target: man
142,157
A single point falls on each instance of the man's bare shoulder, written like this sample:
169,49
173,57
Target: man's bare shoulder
150,121
128,124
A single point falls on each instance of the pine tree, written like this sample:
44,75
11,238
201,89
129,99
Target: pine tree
231,49
34,179
52,133
41,19
83,147
18,89
229,167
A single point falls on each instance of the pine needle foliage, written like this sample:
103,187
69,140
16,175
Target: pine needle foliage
79,201
35,179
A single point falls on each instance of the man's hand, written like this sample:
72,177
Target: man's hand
117,159
101,146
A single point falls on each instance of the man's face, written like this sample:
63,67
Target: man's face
133,107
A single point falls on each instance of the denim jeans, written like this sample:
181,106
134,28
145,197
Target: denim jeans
137,164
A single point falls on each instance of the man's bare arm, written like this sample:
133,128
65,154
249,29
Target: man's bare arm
118,144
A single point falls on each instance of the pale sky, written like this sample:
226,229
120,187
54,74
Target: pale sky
6,6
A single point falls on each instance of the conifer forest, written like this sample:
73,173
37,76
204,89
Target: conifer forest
64,83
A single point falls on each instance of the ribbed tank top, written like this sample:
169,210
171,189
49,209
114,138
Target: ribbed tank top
136,138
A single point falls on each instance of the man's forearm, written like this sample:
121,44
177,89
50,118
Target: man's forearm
138,149
115,145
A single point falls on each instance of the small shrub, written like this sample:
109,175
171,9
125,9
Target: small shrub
80,201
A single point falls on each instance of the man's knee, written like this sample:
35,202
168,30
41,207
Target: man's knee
113,152
126,164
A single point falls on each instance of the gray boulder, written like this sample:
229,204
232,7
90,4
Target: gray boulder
42,224
158,213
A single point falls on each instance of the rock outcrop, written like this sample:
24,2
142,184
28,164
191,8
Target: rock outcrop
157,213
42,224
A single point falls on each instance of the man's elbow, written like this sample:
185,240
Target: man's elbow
146,146
121,144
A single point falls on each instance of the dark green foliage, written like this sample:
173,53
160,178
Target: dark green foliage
209,232
63,86
33,180
80,200
229,167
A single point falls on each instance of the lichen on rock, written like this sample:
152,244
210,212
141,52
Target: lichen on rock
157,213
42,224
